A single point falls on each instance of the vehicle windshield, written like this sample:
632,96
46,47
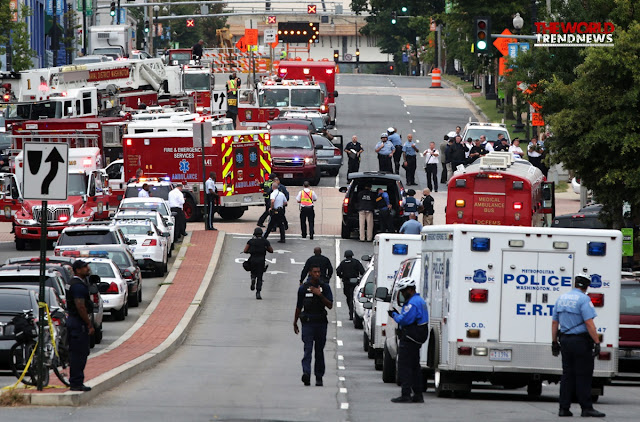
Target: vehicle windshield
492,135
197,82
181,58
77,184
87,237
290,141
119,258
630,299
101,269
155,191
306,97
88,60
32,111
5,141
130,229
14,302
318,122
273,97
148,206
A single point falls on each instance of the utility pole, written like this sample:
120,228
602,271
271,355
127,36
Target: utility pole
84,27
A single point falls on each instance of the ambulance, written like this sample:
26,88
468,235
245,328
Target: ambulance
491,293
389,249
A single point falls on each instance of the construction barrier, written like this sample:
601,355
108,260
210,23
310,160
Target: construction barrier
234,62
435,78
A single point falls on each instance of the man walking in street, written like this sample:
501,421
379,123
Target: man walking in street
383,205
397,148
354,150
79,325
314,298
366,204
212,199
426,207
326,268
409,150
306,197
349,270
413,322
176,202
579,344
431,159
266,194
278,202
385,150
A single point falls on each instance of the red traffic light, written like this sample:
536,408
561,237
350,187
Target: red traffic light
311,9
482,24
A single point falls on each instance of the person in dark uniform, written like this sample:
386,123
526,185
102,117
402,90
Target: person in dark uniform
383,205
314,297
410,204
257,248
196,51
266,193
212,199
79,325
396,140
366,205
572,322
354,150
326,268
349,270
413,323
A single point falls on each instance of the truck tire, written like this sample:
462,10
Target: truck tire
371,352
388,366
20,244
231,213
345,232
378,360
98,334
191,211
439,378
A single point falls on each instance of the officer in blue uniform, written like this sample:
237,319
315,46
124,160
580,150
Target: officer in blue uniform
414,325
397,148
385,150
313,297
573,325
383,205
79,326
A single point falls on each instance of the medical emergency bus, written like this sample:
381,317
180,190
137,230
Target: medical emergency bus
491,293
498,190
241,160
323,72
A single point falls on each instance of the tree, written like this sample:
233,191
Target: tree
17,35
595,126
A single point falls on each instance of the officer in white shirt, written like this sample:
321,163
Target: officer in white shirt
176,202
212,195
431,160
278,202
144,192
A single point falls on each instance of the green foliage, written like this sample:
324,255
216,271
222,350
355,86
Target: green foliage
205,28
18,33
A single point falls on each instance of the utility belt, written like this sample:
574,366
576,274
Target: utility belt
311,318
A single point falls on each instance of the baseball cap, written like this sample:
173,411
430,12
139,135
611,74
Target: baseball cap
79,264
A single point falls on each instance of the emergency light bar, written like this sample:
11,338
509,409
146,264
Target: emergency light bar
480,244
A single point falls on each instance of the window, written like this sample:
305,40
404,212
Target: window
11,302
77,185
102,269
88,237
306,98
86,103
130,229
630,300
273,98
290,141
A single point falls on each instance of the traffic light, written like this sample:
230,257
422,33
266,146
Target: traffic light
336,55
394,17
146,26
357,52
113,8
404,9
482,34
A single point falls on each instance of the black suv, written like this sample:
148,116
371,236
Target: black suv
587,217
389,182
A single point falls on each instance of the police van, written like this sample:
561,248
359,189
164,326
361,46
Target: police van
390,249
491,293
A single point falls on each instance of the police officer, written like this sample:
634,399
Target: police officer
257,247
266,193
573,325
385,150
79,325
409,150
413,322
278,202
383,205
353,150
349,270
306,197
313,297
212,195
410,203
397,148
326,268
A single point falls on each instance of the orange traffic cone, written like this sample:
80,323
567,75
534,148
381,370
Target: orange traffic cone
435,78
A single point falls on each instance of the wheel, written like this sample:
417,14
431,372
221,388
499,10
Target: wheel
159,272
19,356
231,213
371,352
534,388
61,368
21,244
98,334
388,366
365,342
120,314
377,362
345,232
126,309
191,211
357,321
438,381
134,301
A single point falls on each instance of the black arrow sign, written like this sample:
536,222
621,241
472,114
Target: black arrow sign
54,158
35,159
222,96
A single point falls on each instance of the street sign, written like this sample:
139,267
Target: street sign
122,15
45,170
270,35
516,47
311,9
536,119
347,57
502,43
405,58
627,241
271,20
251,36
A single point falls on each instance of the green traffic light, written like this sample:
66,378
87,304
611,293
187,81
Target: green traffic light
404,9
482,45
113,13
393,21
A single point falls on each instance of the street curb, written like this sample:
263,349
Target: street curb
121,374
478,111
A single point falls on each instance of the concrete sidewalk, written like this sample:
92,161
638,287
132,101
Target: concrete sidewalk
158,332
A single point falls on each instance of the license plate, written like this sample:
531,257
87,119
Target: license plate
322,161
52,233
248,199
500,355
288,175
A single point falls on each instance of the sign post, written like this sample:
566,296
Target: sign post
45,176
203,131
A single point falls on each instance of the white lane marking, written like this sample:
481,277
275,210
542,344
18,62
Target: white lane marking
340,343
408,112
339,323
339,304
336,265
344,406
414,131
341,378
343,390
405,105
410,121
341,368
338,181
340,357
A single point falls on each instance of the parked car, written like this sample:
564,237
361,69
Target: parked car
163,224
364,290
74,236
586,218
112,287
151,248
390,183
329,156
61,268
151,204
13,302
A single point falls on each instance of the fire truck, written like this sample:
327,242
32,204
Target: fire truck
323,72
193,80
88,198
241,160
257,106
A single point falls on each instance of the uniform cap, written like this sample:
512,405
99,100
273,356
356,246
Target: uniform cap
452,134
384,135
582,280
406,282
257,231
79,264
391,130
348,253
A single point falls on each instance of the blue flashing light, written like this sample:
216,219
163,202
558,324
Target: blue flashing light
596,248
98,254
400,249
480,244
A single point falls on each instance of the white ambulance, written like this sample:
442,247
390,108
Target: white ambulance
390,249
491,293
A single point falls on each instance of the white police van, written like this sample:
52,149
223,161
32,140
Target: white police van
390,249
491,293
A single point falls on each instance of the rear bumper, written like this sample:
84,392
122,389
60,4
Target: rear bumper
111,302
33,232
148,263
242,200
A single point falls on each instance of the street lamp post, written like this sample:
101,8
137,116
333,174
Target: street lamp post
156,10
518,23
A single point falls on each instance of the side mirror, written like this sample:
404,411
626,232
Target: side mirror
169,223
366,258
132,242
94,279
368,305
343,189
363,299
382,293
335,94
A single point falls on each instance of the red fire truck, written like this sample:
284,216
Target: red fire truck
241,160
499,190
323,72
